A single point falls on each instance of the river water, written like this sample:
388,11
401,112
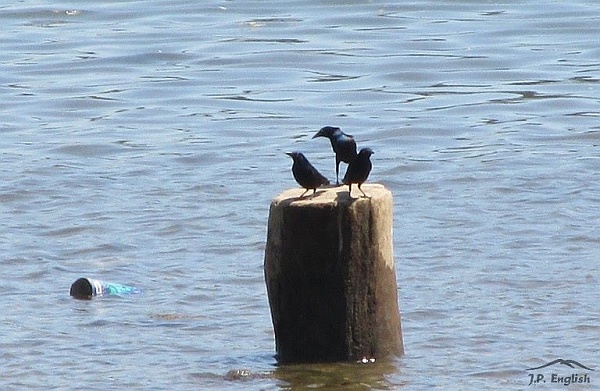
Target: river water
142,142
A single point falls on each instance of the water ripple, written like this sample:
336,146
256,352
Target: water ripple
143,143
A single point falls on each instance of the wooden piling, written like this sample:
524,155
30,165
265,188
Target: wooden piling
330,275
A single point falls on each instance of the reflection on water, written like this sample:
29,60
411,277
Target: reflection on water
342,376
337,376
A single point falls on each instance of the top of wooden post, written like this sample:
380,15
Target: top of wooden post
333,194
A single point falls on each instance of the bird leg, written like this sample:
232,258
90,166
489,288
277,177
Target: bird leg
361,190
337,172
305,191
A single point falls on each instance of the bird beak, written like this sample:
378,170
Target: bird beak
289,154
319,134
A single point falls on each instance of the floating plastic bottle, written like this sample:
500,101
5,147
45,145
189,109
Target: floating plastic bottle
86,288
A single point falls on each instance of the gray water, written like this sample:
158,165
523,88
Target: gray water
142,143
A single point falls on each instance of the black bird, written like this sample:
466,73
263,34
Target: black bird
343,145
358,171
305,174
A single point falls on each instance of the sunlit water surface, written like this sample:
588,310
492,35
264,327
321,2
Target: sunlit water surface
142,143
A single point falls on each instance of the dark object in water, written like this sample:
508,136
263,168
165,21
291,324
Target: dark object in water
86,288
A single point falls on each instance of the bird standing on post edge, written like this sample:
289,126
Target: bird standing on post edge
358,171
343,145
305,174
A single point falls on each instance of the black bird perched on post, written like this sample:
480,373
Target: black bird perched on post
343,145
305,174
358,170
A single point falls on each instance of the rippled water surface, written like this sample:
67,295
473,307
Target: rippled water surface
142,143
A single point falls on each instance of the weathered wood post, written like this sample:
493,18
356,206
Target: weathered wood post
331,281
